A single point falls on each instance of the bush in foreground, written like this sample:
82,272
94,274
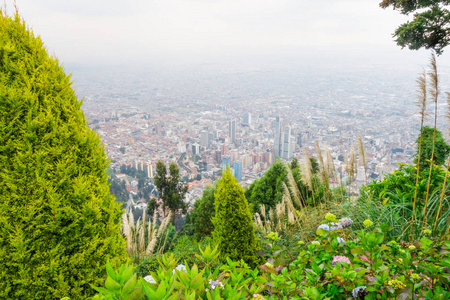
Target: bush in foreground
340,264
58,222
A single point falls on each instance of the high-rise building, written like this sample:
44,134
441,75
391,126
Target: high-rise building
195,149
278,144
204,139
287,148
149,170
248,119
226,161
232,131
237,166
218,156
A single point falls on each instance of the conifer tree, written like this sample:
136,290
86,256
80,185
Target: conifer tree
233,227
59,225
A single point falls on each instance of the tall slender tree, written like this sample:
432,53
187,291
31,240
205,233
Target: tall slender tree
59,224
171,190
234,231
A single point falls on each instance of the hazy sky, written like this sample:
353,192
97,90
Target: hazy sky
142,31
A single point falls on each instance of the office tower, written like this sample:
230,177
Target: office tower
287,148
218,156
224,149
195,149
248,119
226,161
210,138
232,131
204,139
149,170
277,144
299,140
237,166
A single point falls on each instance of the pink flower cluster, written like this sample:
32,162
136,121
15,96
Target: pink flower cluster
339,258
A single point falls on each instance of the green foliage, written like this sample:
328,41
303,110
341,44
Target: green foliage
441,148
430,27
122,284
233,226
58,222
204,212
342,263
171,190
268,189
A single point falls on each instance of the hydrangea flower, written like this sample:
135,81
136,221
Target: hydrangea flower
301,242
317,243
396,284
273,236
345,222
412,248
331,218
341,241
427,231
149,278
214,283
340,258
179,268
415,276
368,223
324,227
358,290
258,297
335,226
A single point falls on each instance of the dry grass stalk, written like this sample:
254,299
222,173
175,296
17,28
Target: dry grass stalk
434,91
422,104
324,170
362,154
330,164
306,169
293,188
262,208
446,172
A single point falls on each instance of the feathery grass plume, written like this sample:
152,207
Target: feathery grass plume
306,169
330,164
258,223
157,234
288,201
363,156
422,104
324,175
293,188
350,168
262,209
446,172
434,91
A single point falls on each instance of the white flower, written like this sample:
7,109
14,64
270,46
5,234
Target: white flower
179,268
341,241
214,283
149,278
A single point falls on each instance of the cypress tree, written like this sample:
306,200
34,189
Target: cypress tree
233,226
59,225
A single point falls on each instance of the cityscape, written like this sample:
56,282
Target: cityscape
215,118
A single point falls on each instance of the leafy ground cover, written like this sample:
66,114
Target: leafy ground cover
341,263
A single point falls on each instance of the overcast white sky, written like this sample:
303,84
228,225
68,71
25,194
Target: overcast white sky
141,31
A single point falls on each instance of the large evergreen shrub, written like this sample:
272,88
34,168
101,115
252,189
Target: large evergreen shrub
59,225
233,226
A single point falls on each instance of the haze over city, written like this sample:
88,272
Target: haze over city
163,80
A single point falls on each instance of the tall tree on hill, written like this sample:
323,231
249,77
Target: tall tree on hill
59,224
430,27
171,190
234,231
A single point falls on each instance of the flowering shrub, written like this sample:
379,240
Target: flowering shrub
340,264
